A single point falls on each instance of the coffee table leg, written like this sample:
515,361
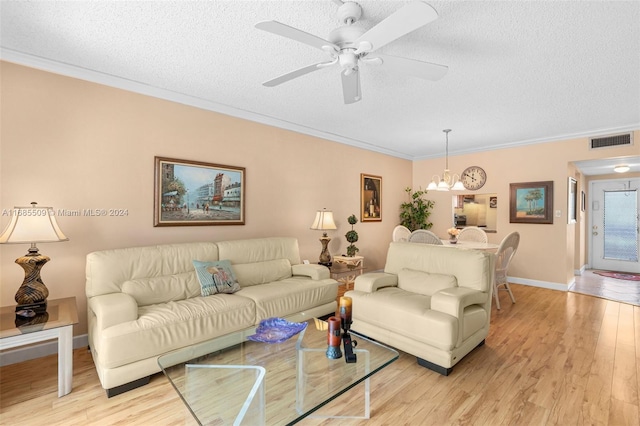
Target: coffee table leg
363,357
65,360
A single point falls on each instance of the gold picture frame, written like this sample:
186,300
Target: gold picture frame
195,193
370,198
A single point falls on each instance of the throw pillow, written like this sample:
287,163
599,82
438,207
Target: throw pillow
216,277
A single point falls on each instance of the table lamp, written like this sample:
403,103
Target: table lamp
324,221
31,225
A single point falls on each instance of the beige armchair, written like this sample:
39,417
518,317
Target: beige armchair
430,301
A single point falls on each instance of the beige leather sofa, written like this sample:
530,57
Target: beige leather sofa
145,301
433,302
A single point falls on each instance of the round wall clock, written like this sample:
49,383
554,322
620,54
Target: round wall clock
473,178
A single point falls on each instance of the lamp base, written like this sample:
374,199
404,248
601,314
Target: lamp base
37,308
32,291
325,256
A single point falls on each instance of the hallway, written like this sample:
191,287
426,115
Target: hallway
607,288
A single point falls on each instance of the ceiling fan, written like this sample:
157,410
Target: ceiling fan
350,44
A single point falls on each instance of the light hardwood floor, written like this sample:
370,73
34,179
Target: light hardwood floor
553,358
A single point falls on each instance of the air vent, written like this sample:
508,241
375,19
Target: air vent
615,140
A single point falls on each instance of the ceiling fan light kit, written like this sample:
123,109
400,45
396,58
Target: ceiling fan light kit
350,44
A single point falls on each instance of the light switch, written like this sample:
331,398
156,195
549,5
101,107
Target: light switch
558,213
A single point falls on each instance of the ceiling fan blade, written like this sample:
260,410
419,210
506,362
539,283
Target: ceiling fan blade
411,17
351,86
283,30
294,74
412,67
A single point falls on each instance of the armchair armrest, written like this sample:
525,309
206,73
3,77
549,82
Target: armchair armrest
315,272
372,281
452,301
113,308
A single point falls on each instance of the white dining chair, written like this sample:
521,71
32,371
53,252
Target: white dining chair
506,251
424,237
401,233
473,233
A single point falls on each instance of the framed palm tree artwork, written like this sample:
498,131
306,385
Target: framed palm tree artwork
531,202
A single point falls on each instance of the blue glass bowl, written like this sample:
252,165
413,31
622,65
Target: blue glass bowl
276,330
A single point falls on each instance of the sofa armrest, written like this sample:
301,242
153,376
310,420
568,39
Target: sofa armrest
373,281
315,272
113,308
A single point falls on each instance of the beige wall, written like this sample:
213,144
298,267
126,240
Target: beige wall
548,254
72,145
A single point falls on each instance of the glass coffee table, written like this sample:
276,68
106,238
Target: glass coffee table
236,381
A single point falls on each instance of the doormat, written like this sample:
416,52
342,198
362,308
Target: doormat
619,275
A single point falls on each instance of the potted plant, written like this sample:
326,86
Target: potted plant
352,236
414,214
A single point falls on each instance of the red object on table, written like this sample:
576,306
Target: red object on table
333,335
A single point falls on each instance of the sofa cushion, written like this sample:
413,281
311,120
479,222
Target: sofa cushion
107,270
164,327
262,272
289,296
149,291
424,283
216,277
477,272
407,314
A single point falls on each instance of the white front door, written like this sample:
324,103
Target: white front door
614,213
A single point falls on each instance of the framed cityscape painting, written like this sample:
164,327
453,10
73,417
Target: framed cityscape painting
188,193
531,202
370,198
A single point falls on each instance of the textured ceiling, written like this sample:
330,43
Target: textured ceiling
519,72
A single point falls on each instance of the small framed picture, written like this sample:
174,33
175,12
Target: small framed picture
370,198
493,202
572,201
189,193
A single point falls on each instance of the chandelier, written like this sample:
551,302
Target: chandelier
447,182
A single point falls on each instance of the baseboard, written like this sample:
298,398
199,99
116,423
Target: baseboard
13,356
580,271
541,284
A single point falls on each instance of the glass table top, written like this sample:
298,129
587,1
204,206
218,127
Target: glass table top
60,313
232,380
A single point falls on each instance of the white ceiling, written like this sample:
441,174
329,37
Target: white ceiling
519,71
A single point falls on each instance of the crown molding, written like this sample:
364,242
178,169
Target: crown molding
85,74
144,89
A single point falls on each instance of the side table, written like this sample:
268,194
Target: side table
56,323
349,260
345,274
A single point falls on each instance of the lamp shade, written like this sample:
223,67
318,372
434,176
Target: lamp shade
32,225
323,220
